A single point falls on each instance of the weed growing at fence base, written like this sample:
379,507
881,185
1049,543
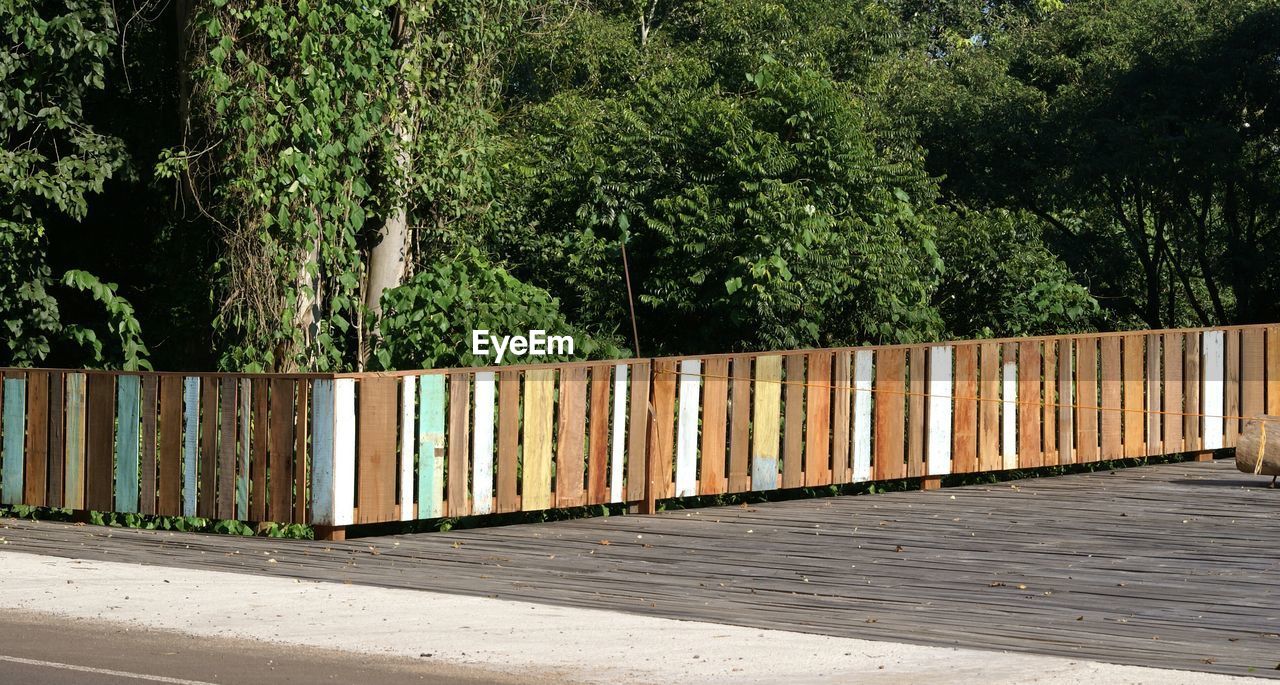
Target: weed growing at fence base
183,524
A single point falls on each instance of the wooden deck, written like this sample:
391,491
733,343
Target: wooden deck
1172,566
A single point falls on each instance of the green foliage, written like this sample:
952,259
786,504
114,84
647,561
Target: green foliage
427,322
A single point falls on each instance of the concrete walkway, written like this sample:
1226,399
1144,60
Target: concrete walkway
526,640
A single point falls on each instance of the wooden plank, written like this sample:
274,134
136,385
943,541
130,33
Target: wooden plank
964,436
638,431
1212,393
281,443
917,422
207,485
1066,401
228,404
300,478
842,418
14,432
1231,390
1173,367
766,437
57,440
1029,362
508,441
863,375
740,426
128,406
408,435
539,408
259,496
458,462
190,442
147,475
661,464
598,490
1049,415
817,446
169,491
889,407
989,408
1112,393
431,411
1009,406
243,469
571,438
99,439
715,425
618,436
35,472
73,494
376,451
482,443
1253,360
686,481
1273,370
344,451
1086,437
793,427
938,447
1191,424
1154,404
1134,401
323,406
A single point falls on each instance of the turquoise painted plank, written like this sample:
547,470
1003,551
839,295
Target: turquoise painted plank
190,441
322,452
74,494
128,414
431,405
242,479
15,412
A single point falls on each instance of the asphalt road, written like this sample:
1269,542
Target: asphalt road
45,650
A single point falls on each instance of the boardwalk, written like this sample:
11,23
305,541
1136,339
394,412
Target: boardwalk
1171,566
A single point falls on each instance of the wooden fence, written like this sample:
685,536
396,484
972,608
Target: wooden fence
349,449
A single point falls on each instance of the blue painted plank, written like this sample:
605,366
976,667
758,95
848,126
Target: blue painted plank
128,413
322,452
190,441
15,411
431,405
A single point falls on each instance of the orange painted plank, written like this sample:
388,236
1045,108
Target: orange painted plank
1173,366
989,408
36,467
1231,390
841,421
539,414
740,427
1029,363
890,421
964,427
1086,435
793,423
1253,372
508,441
917,424
598,459
570,456
170,486
458,461
1066,434
1191,433
1273,370
1134,350
1049,415
1112,389
817,451
1155,398
715,417
638,428
661,463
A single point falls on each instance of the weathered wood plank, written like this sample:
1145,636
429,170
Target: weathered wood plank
36,465
863,376
686,479
508,441
259,496
638,428
1273,370
793,426
1112,415
1231,390
190,442
73,494
1212,360
989,408
715,425
1134,401
817,446
1009,406
917,421
964,437
1155,397
207,488
539,408
323,406
598,491
938,447
245,393
1173,367
128,399
1252,372
766,437
482,443
300,457
740,427
890,367
99,438
1086,437
281,444
458,462
661,461
431,412
14,439
842,418
1030,454
571,438
376,451
1049,409
618,434
1191,430
147,463
228,404
1066,400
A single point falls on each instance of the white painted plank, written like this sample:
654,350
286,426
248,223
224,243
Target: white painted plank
687,433
619,431
1213,363
1009,417
940,389
863,370
408,406
344,451
482,444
